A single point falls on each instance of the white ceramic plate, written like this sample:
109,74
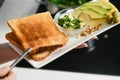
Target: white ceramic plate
71,44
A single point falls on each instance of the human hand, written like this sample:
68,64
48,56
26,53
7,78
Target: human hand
83,45
6,74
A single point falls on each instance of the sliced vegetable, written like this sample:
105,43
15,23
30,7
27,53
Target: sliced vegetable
69,22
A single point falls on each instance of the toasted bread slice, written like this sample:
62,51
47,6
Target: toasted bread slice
41,55
13,39
37,30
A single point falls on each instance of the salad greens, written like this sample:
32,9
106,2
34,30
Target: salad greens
69,2
69,23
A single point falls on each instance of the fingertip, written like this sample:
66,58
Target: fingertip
4,70
95,38
83,45
11,75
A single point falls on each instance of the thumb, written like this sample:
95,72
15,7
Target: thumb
4,71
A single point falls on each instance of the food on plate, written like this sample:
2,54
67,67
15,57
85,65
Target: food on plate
100,13
87,18
37,31
69,22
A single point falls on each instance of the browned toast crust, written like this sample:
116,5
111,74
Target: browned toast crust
37,31
38,56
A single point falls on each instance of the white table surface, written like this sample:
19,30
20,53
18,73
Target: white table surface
40,74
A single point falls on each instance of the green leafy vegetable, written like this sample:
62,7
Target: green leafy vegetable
69,23
69,2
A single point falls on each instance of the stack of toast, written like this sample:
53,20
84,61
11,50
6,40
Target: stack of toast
37,31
